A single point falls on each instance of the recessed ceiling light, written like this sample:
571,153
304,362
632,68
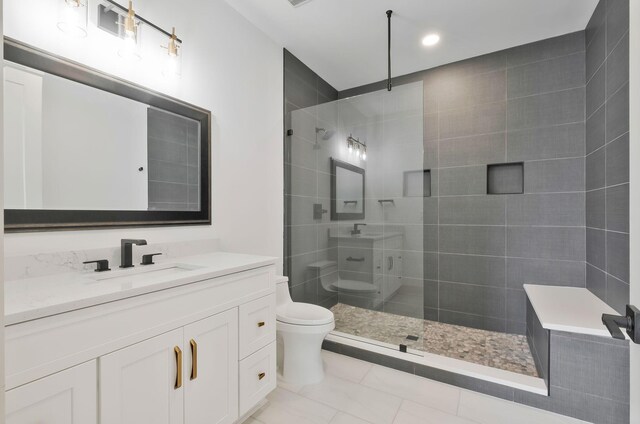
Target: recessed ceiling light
430,40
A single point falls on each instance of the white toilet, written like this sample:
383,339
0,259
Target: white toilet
301,328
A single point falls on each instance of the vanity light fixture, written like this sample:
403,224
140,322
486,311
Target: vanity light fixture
131,35
173,63
357,145
72,17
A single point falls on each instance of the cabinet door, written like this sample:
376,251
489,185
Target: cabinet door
63,398
211,369
139,384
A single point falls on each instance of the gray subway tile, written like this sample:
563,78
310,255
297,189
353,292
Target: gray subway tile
516,305
303,182
596,22
430,294
481,322
618,113
596,91
555,74
167,172
596,248
617,294
563,209
544,271
472,150
618,66
476,65
595,213
618,208
546,49
166,151
618,255
304,239
595,130
482,119
306,292
300,92
455,92
545,110
562,243
617,162
595,168
430,127
480,270
554,176
472,240
463,180
617,22
472,210
601,370
160,192
596,52
560,141
597,282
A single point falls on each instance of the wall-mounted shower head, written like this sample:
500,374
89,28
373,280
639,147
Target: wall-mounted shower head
325,134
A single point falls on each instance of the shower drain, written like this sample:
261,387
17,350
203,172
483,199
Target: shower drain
413,338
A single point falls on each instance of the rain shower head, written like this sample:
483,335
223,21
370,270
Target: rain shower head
325,134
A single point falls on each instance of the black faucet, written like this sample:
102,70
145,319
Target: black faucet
126,251
356,231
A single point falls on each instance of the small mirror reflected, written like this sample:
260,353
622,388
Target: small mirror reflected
347,191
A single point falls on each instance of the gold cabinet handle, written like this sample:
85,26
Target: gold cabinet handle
261,324
194,359
178,353
261,376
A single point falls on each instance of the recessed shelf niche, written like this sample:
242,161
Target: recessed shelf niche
417,183
505,178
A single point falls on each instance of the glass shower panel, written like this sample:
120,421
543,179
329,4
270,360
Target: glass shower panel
370,275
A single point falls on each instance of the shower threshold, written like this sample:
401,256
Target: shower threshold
495,357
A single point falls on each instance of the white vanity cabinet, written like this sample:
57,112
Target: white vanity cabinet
198,353
68,396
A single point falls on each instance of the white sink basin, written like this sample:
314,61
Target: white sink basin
143,274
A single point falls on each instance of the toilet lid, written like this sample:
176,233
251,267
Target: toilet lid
303,314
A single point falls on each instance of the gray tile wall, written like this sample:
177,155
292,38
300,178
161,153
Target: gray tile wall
525,104
607,150
173,166
589,379
306,239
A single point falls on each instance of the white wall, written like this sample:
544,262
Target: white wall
1,244
228,67
634,194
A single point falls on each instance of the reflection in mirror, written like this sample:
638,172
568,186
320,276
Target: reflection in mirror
347,191
70,146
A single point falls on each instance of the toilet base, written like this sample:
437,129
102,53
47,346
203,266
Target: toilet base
300,352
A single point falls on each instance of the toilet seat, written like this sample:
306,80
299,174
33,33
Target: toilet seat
303,314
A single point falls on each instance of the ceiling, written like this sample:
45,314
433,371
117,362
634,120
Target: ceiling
345,41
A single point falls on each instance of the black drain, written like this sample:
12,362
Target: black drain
413,338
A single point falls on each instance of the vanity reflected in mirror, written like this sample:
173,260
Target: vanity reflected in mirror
347,191
84,149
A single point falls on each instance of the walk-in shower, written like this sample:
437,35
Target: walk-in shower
364,229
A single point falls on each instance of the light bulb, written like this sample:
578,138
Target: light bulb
364,155
72,17
430,40
350,147
172,65
131,38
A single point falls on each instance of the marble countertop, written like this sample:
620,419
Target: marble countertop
32,298
571,309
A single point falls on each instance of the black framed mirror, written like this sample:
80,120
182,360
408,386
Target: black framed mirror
347,191
84,149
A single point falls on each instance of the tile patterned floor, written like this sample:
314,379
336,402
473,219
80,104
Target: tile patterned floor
498,350
357,392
